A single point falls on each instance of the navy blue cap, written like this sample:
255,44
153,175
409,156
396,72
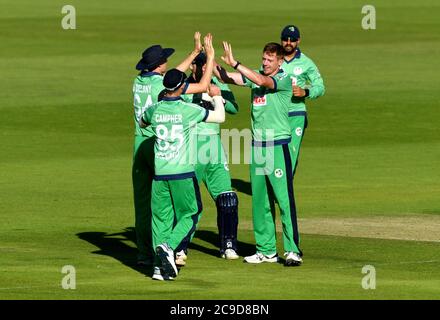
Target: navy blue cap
153,57
291,32
174,79
200,60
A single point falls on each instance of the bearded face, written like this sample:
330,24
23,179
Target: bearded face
289,45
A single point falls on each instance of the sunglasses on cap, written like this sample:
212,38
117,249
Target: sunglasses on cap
287,39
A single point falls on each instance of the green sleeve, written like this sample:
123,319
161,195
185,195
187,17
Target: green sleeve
316,84
231,105
283,82
196,113
187,97
148,114
246,82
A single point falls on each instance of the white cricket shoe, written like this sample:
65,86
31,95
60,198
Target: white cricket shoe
166,256
230,254
259,258
292,259
157,275
181,258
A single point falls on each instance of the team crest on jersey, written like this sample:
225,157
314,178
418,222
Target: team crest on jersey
278,173
299,131
297,71
226,167
259,101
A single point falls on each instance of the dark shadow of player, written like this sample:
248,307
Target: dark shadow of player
114,245
242,186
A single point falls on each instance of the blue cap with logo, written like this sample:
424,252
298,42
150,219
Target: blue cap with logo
291,32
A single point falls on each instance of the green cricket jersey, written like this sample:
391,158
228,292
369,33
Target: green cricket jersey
231,106
172,121
269,111
303,73
146,88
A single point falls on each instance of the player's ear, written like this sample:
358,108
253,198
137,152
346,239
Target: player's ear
298,42
280,61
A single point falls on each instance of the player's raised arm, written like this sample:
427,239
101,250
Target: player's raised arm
184,65
203,85
227,77
218,115
257,78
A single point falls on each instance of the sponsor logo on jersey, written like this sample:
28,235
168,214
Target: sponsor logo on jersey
259,101
297,71
278,173
298,131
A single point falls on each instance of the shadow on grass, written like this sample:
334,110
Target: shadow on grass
242,186
113,245
244,249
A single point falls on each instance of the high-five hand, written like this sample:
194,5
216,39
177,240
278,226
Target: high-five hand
207,44
227,56
197,42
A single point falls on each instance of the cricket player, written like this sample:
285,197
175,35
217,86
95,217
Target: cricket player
271,166
176,203
212,167
146,88
307,83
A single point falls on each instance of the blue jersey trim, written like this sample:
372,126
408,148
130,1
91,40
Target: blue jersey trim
149,74
297,113
206,115
271,143
274,84
297,56
244,78
177,176
185,87
290,192
171,98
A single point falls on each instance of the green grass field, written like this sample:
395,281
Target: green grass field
367,186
